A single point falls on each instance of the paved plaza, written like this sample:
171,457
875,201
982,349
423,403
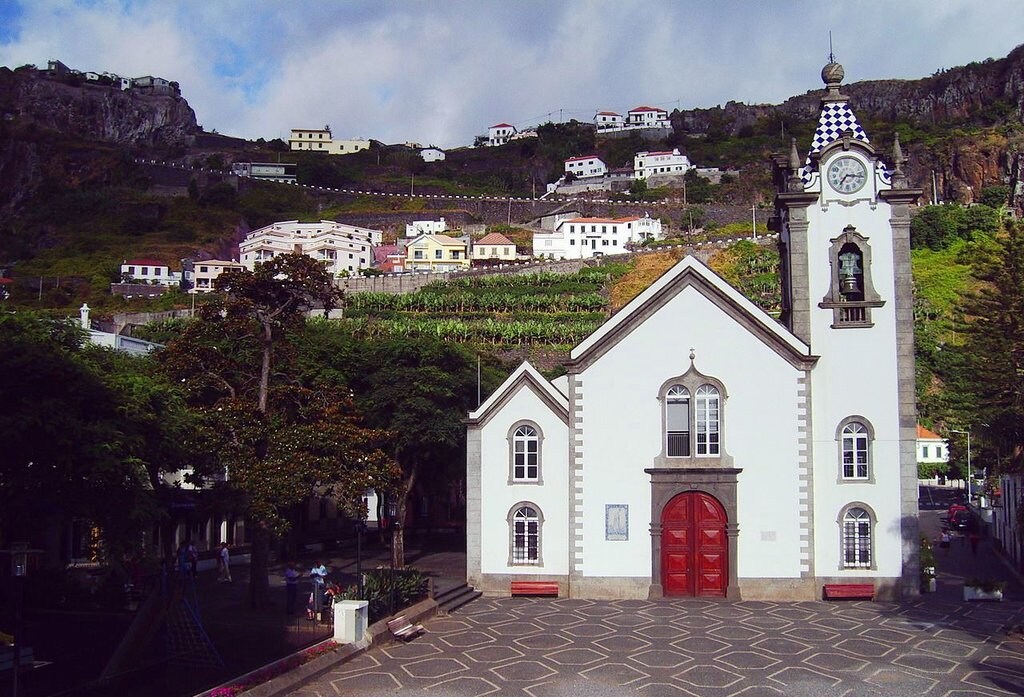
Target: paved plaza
937,645
526,646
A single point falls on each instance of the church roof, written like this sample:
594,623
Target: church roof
691,271
835,120
524,375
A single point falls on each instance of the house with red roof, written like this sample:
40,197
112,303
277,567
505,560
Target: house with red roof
608,121
494,246
584,238
647,117
931,447
150,271
499,134
585,166
648,164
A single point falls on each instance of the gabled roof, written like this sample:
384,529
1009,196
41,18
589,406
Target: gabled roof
924,434
145,262
627,219
523,376
691,272
645,108
583,157
502,125
495,238
443,240
608,113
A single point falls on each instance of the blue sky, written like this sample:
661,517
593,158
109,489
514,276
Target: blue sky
441,71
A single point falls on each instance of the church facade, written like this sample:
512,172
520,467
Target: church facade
698,446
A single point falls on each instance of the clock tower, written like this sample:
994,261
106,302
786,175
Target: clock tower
843,216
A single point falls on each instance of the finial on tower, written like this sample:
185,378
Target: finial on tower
899,179
832,74
794,182
693,355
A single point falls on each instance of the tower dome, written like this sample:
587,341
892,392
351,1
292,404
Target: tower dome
832,74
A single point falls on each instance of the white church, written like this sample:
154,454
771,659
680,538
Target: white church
698,446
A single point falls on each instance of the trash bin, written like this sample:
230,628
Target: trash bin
351,618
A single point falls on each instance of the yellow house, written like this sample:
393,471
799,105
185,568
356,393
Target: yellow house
436,253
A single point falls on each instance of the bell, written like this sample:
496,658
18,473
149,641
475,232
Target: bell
849,270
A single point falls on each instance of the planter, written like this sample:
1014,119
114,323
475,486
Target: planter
976,593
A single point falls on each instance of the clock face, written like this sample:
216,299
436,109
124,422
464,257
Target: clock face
847,174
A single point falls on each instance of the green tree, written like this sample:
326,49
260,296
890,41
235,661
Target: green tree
86,433
280,441
993,334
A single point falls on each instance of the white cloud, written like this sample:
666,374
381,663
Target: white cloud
442,72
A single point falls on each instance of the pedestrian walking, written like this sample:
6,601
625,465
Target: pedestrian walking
974,543
944,542
291,587
193,558
181,560
224,563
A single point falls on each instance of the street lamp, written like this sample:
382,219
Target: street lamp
968,434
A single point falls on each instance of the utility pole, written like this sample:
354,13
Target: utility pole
753,221
510,211
412,185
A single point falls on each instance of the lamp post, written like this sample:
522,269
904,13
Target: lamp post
360,526
968,434
19,569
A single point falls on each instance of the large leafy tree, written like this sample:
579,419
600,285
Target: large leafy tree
993,331
418,389
86,433
278,440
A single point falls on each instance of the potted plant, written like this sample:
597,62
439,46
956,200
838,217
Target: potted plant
983,589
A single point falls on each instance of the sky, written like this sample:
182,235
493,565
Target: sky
439,72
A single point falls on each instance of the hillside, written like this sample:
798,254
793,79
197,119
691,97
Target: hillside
75,200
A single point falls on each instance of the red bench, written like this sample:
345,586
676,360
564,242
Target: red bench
535,588
849,591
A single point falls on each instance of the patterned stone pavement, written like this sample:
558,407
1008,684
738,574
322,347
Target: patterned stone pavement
539,647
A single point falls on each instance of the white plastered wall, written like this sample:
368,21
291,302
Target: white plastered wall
498,496
622,435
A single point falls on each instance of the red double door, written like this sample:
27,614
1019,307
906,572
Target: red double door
694,546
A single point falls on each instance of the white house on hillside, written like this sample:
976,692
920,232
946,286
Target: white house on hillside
432,154
646,164
647,117
149,271
931,447
698,446
206,272
499,133
321,140
495,246
425,227
608,121
586,166
583,238
342,248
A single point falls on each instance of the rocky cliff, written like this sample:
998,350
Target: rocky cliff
29,99
965,123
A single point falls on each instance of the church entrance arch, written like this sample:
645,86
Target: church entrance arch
694,546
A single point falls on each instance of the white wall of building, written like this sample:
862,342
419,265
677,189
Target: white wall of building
425,227
760,434
343,248
500,496
583,167
499,134
646,164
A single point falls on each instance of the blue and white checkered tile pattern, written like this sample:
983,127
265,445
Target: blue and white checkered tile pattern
836,119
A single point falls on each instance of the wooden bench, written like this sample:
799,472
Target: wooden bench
403,629
848,591
535,588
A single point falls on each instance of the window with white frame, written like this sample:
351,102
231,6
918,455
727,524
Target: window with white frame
708,413
856,451
525,523
857,547
525,450
677,422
